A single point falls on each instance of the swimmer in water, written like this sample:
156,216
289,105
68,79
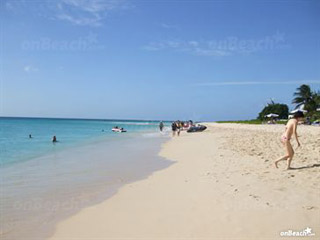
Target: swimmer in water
54,139
291,129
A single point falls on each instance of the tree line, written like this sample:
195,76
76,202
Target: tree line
304,97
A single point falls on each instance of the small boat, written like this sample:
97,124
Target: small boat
199,128
115,129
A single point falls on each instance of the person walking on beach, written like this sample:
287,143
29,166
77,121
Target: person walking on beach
174,128
179,125
161,125
291,128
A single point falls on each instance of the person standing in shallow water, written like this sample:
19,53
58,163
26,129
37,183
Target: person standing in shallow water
291,129
161,125
54,139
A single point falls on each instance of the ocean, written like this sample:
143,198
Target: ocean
44,182
16,145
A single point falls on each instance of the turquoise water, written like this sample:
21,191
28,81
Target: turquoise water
16,146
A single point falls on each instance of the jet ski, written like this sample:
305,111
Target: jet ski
116,129
199,128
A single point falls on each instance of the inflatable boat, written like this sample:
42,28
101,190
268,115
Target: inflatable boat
198,128
118,130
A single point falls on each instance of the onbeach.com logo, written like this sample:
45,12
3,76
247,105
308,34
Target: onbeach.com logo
304,233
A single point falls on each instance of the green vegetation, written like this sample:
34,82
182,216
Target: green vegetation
281,109
310,100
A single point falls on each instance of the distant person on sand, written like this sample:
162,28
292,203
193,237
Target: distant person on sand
179,125
161,125
291,128
174,128
54,139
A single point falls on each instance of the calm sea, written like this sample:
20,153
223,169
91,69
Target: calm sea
17,146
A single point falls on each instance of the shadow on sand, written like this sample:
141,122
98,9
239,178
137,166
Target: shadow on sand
308,166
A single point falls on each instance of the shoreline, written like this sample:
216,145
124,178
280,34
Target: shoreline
54,187
220,178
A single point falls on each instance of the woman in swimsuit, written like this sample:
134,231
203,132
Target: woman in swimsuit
291,128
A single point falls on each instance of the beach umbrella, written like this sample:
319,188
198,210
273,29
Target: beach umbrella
299,110
271,115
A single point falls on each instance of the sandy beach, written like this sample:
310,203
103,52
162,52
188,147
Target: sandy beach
222,185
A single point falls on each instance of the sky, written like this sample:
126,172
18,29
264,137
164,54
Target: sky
160,59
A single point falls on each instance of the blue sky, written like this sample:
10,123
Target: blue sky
201,60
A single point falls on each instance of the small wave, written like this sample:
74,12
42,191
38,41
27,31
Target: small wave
165,132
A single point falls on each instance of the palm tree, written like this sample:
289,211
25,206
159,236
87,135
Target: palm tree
317,101
303,95
316,97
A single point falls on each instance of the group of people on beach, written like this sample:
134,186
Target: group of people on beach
178,125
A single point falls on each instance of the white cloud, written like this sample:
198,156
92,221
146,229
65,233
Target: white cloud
208,84
29,69
76,12
87,12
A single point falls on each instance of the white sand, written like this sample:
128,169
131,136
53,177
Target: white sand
223,185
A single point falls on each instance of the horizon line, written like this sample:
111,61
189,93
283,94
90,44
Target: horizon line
233,83
97,119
